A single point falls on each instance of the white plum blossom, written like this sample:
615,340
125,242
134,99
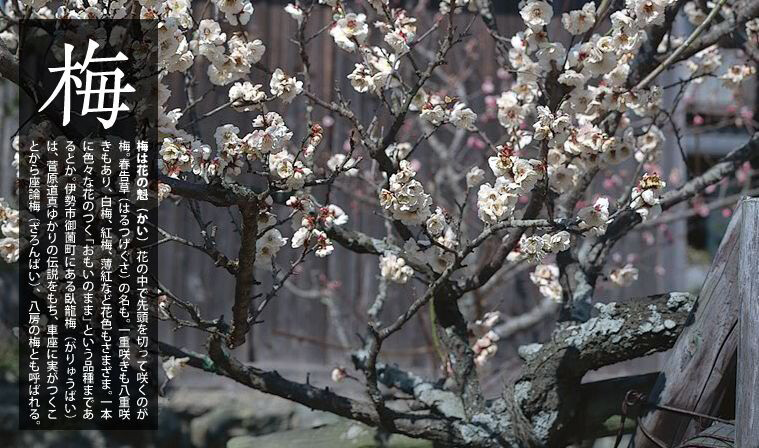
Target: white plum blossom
245,96
295,11
485,346
581,20
536,13
172,366
695,14
395,269
9,249
649,145
624,276
572,78
649,12
736,74
463,117
406,199
556,242
645,196
285,87
436,223
284,167
399,151
350,31
9,233
267,247
511,113
497,203
400,33
440,259
435,111
345,164
595,218
362,79
332,215
338,373
475,177
270,135
546,278
309,236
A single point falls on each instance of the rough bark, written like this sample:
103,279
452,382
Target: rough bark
549,390
536,412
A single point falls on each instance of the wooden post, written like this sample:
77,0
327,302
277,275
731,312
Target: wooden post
694,376
747,385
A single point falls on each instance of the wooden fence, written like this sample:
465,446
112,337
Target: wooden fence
712,369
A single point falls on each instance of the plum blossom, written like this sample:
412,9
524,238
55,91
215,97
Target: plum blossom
695,14
497,203
270,134
332,215
284,87
295,11
536,13
308,234
463,117
172,366
245,96
406,199
736,74
485,346
475,177
9,228
436,223
546,278
267,247
511,113
581,20
624,276
394,268
338,373
399,151
343,163
9,249
284,167
648,12
645,196
595,218
349,31
435,111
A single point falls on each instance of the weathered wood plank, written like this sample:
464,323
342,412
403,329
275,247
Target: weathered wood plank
747,386
695,374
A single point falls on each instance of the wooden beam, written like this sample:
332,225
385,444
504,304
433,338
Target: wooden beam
747,386
696,372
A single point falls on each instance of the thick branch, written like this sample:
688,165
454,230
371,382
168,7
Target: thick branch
548,391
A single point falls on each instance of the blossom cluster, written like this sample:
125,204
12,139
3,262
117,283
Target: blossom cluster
546,278
534,248
515,176
405,198
311,221
394,268
9,233
485,346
